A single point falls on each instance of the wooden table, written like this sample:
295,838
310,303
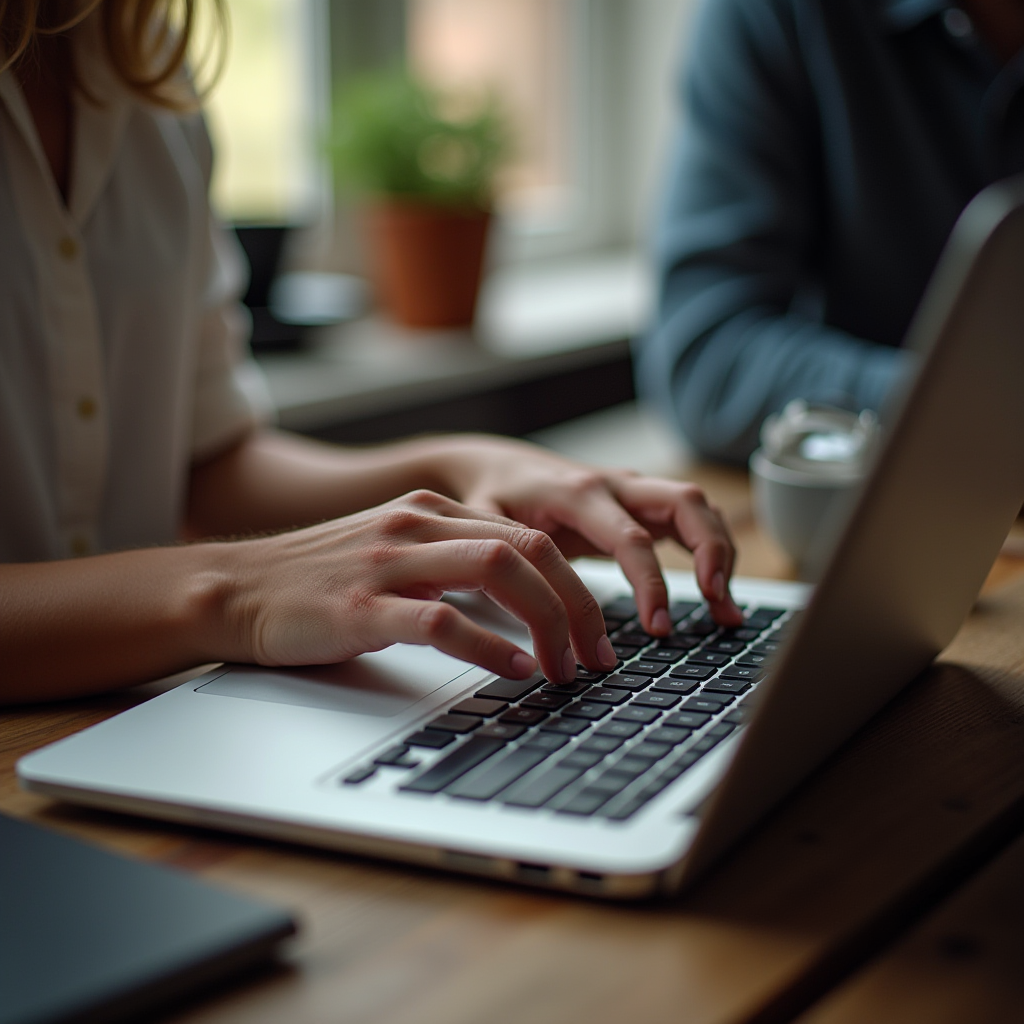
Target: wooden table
917,803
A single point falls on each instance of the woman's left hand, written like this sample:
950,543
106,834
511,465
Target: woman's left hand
598,511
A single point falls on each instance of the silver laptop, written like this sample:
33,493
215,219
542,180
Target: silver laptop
636,782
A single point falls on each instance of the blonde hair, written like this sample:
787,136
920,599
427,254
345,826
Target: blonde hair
146,41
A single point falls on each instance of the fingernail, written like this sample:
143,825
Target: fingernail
605,655
568,666
718,586
660,622
522,665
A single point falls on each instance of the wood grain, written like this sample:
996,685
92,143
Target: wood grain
892,823
963,965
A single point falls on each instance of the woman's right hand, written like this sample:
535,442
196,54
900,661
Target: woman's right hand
329,592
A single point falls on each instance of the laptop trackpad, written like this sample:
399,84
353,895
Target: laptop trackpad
381,684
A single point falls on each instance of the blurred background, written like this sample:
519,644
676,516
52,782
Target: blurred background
586,89
586,85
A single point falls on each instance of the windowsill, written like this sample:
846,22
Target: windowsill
534,323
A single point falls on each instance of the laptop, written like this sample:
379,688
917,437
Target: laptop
632,784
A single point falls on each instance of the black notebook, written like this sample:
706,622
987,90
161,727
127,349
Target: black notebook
86,935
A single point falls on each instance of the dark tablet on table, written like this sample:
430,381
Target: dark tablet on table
86,935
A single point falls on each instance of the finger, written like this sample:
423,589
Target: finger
698,527
586,631
432,623
600,519
497,568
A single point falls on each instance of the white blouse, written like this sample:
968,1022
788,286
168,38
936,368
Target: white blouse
122,341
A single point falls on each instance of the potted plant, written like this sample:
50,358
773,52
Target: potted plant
426,162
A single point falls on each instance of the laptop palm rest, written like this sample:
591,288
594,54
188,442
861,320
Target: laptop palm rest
382,685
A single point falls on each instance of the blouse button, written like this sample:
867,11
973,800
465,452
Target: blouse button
86,408
68,248
80,545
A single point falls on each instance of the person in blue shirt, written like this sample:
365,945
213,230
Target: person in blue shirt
827,148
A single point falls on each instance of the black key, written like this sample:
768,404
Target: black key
763,616
510,689
430,738
482,706
620,608
624,651
610,624
625,681
606,695
737,716
546,701
474,751
705,743
674,768
536,792
502,731
612,782
708,658
710,704
456,723
751,675
602,744
679,642
634,714
722,685
765,647
548,741
523,716
646,668
651,699
622,811
492,778
667,734
723,646
721,730
746,635
587,710
697,672
585,802
619,730
687,719
633,637
582,759
669,655
649,750
585,675
565,726
360,775
702,627
632,766
683,687
681,609
567,689
749,660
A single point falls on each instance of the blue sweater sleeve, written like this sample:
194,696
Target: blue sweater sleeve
736,335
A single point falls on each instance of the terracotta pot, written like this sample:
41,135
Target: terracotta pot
428,261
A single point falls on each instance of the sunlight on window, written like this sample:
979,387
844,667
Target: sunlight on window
263,113
519,49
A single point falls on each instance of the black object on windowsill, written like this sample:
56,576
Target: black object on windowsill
285,306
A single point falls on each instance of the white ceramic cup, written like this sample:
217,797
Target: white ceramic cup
804,476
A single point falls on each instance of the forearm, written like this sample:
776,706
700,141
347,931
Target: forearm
273,480
719,387
77,627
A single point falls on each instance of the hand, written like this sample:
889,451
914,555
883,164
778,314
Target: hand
360,583
609,512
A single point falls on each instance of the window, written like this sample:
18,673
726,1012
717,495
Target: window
266,113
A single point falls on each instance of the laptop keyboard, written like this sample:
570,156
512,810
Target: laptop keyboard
609,742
